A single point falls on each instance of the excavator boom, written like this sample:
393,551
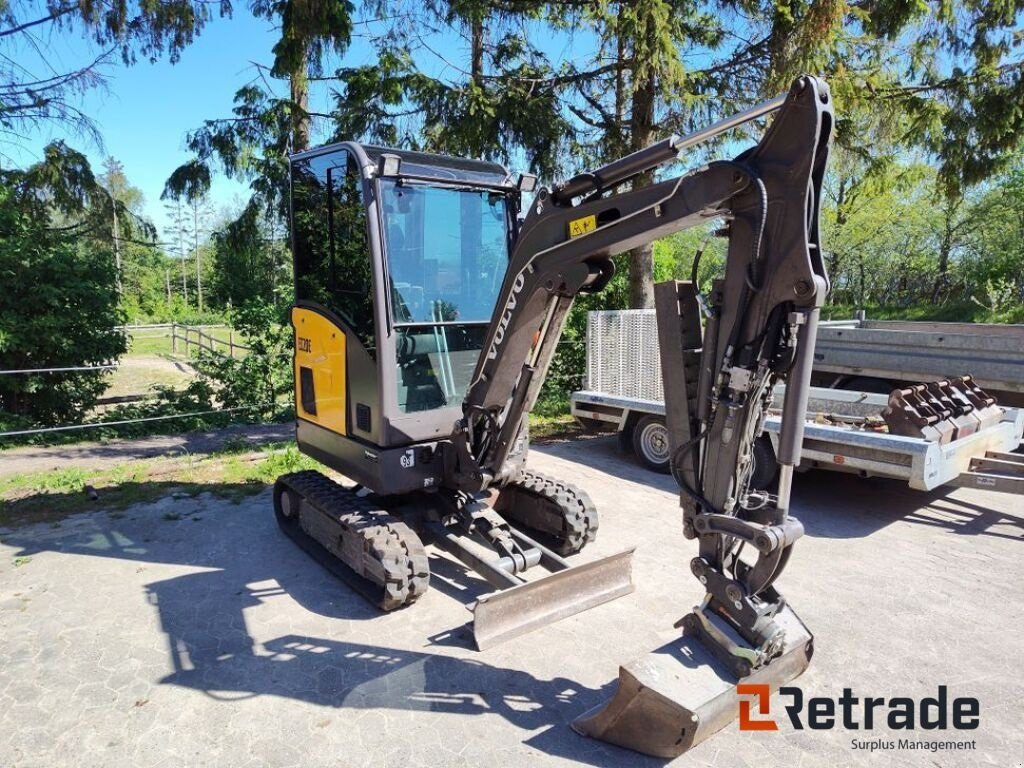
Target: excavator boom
719,367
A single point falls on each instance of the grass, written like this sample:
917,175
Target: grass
150,362
233,474
138,374
553,426
157,341
551,419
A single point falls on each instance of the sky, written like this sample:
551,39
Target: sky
145,111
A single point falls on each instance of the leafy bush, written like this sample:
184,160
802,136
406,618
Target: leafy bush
258,379
59,309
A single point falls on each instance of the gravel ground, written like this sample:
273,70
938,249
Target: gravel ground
190,632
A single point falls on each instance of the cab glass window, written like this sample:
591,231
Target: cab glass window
447,252
332,259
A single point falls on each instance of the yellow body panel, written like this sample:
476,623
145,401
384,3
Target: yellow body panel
320,346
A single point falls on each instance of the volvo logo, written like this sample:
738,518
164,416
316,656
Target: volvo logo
510,305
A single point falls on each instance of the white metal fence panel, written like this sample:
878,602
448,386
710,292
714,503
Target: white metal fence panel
622,354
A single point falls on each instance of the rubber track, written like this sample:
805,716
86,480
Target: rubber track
579,515
386,539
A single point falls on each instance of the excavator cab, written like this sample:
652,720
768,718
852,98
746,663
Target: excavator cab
399,257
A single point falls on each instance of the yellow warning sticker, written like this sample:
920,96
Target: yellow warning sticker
579,227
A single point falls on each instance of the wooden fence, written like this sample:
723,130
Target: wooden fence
193,336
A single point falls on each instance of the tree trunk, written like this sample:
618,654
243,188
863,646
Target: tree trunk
833,258
641,261
945,249
180,224
477,48
299,83
117,246
615,144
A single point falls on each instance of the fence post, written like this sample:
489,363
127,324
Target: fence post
231,342
174,338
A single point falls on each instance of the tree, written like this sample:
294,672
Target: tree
198,218
117,187
254,144
60,306
249,262
120,29
176,233
501,102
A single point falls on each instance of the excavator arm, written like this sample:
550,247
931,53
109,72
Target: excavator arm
758,329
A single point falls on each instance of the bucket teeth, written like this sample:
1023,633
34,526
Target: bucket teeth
680,694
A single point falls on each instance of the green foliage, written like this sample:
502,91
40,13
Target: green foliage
251,146
247,265
199,397
258,379
130,28
59,308
894,241
309,30
673,259
514,110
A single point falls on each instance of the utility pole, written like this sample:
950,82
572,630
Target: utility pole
117,245
195,243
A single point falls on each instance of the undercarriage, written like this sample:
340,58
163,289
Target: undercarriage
376,545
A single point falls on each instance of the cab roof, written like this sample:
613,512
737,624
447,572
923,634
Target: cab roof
423,164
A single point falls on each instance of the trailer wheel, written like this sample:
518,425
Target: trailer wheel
650,443
765,465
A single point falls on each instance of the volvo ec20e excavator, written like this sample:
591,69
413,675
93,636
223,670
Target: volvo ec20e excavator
427,312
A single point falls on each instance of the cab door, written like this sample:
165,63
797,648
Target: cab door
336,377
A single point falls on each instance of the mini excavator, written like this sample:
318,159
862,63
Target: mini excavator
428,308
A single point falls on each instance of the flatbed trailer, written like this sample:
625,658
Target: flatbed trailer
882,355
624,393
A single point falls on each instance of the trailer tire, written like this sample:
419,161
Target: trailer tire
766,467
650,444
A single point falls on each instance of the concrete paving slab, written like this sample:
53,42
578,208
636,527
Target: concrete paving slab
211,639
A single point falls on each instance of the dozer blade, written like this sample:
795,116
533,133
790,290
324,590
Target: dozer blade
517,610
680,694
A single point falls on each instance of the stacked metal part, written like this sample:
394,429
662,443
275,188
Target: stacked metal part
941,411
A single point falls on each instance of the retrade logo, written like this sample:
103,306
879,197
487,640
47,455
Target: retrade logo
850,712
761,694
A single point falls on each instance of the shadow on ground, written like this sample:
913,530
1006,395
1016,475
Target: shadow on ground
249,562
869,504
